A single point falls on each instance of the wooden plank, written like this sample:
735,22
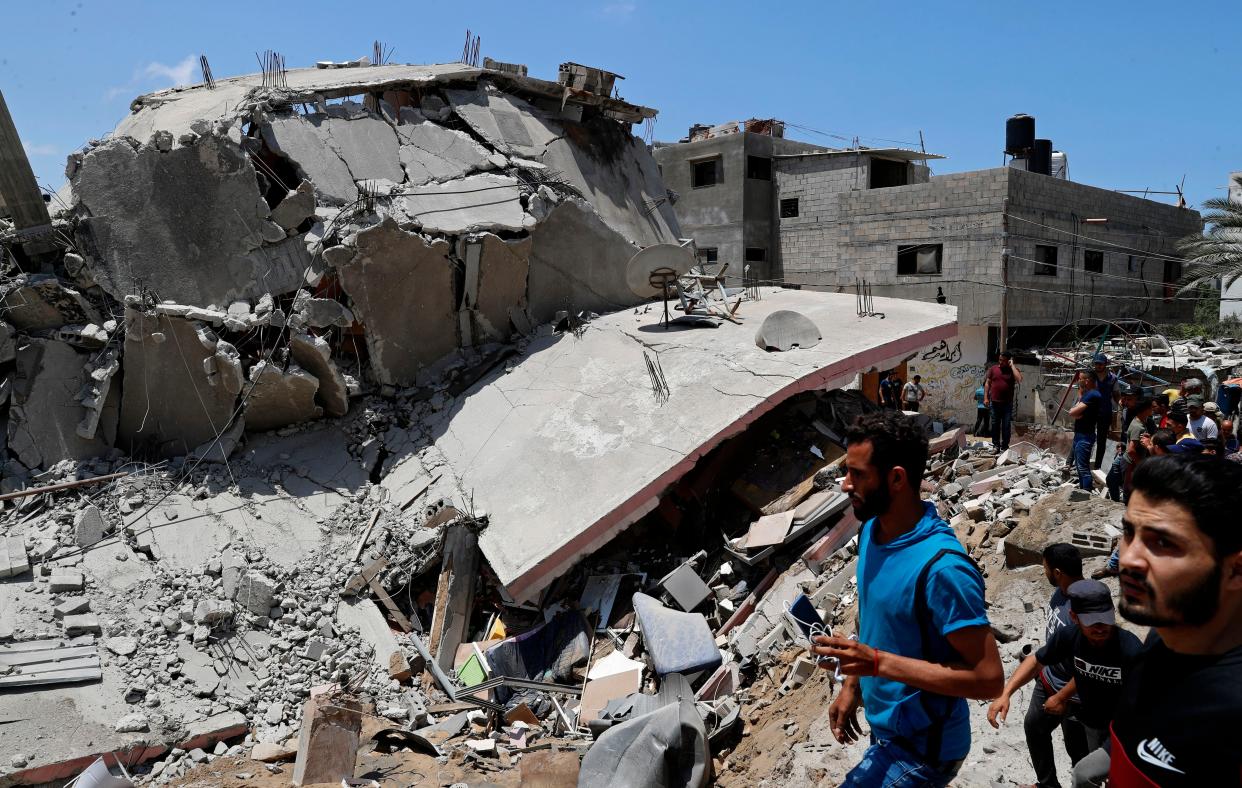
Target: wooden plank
48,655
393,610
55,667
362,543
58,677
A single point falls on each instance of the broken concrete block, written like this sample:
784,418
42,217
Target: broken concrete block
1090,524
65,580
328,742
72,607
82,624
94,395
13,560
168,404
269,752
297,206
303,140
252,590
35,302
508,123
134,205
88,526
496,274
211,612
314,355
280,398
50,379
402,291
986,485
132,723
321,313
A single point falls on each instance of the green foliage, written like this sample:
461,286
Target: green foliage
1215,254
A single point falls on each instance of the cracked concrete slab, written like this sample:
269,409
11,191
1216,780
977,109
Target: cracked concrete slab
168,405
192,244
368,145
496,273
430,152
303,140
401,287
510,124
577,262
46,406
476,202
575,420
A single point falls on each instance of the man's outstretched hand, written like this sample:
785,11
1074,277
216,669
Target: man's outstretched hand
856,659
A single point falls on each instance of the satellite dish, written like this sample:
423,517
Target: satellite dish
638,270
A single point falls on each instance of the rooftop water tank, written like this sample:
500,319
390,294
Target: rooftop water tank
1041,157
1019,134
1060,165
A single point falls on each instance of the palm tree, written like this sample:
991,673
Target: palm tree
1217,252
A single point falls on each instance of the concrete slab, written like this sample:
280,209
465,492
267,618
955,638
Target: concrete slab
169,405
575,420
500,285
368,145
180,533
476,202
510,124
314,354
46,411
430,152
320,453
402,290
303,139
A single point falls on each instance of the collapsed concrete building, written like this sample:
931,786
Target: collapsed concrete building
240,256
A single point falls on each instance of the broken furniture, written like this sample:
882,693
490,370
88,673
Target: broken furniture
677,642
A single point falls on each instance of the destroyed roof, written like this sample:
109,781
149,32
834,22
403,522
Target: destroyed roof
892,153
569,446
176,108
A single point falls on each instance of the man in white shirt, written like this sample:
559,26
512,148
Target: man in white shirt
912,394
1201,427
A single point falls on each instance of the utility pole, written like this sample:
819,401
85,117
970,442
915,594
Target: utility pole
18,187
1004,315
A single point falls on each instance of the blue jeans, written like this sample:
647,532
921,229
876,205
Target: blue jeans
1116,477
887,765
1082,459
1002,420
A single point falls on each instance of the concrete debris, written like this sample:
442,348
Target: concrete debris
279,398
35,302
296,207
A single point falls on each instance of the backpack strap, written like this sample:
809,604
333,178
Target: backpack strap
922,614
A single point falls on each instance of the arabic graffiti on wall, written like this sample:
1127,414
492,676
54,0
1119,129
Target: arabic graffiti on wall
951,371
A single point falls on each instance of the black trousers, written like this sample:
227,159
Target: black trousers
1039,727
983,422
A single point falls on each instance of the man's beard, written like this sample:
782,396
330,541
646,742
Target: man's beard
1193,607
873,505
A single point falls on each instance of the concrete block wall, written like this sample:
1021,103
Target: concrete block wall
1137,235
808,245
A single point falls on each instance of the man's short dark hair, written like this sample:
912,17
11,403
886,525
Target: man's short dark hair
1179,415
1209,489
1064,556
1163,438
896,441
918,377
1004,354
1162,399
1142,404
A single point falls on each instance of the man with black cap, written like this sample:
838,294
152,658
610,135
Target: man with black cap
1201,427
1181,574
1101,654
1106,384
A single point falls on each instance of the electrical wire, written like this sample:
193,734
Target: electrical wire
1145,252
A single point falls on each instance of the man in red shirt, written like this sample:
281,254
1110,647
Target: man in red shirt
998,391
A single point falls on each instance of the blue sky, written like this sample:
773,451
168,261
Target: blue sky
1137,93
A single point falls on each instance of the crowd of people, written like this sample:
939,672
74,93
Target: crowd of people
1162,712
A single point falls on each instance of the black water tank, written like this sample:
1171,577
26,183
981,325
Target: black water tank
1019,134
1041,157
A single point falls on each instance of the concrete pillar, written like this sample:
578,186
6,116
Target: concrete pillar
18,187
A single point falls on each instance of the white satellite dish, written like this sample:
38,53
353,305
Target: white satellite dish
669,256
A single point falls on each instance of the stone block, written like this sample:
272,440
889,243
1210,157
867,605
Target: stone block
328,742
63,581
72,607
13,560
82,624
88,526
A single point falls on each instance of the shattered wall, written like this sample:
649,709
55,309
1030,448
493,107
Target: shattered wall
255,257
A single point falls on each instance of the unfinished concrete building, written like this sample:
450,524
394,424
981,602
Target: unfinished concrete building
248,254
722,179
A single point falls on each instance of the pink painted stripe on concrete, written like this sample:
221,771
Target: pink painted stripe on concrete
543,572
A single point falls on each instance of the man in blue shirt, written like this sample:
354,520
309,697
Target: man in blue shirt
983,424
1086,416
1106,384
924,642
